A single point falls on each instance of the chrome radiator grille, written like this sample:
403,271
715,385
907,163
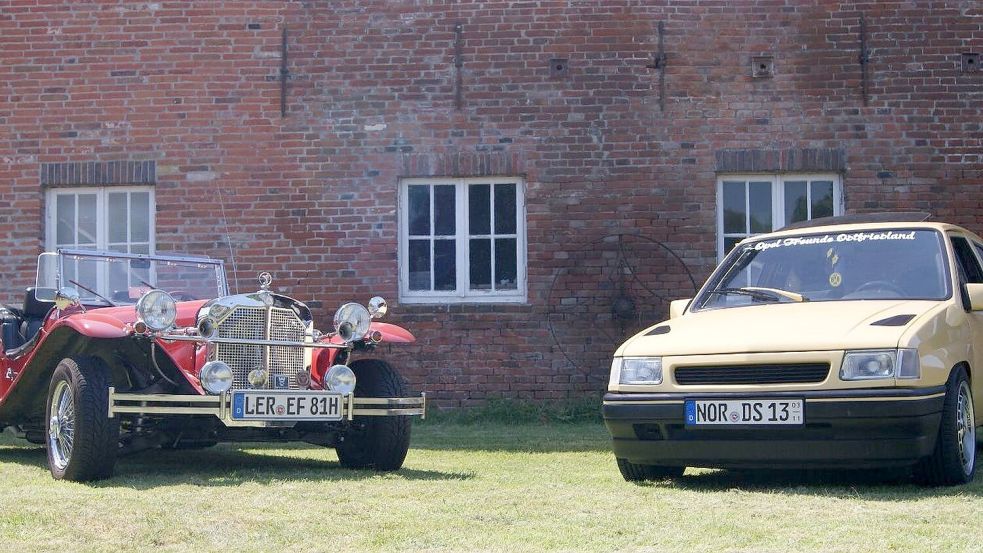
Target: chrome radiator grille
250,323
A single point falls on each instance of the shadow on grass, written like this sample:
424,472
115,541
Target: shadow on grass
873,484
524,437
224,466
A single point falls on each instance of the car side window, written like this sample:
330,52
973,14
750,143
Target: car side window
969,266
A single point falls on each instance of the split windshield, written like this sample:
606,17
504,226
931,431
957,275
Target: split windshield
105,278
862,265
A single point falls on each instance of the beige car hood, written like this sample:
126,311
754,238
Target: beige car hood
809,326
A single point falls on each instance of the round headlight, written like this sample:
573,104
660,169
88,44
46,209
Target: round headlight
340,379
158,309
216,377
352,321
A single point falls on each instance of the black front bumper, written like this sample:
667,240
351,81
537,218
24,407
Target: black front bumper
844,428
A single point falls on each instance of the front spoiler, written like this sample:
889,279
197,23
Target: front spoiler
220,406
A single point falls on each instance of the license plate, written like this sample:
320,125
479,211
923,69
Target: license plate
718,412
289,406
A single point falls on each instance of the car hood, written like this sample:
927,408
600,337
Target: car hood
809,326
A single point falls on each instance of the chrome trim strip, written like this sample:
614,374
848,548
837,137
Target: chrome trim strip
200,340
164,404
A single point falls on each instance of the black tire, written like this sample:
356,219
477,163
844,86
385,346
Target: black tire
953,461
81,384
378,443
633,472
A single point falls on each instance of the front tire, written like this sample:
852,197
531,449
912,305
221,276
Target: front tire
81,439
378,443
633,472
953,461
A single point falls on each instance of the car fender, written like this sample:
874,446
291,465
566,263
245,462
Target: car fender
393,333
94,325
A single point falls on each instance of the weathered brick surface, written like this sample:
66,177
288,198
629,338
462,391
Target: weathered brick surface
193,88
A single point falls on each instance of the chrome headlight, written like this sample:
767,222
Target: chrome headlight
352,321
880,363
340,379
216,377
157,309
638,370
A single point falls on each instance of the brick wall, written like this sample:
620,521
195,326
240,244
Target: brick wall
311,196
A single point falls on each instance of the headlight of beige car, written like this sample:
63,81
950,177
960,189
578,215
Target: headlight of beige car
880,363
638,370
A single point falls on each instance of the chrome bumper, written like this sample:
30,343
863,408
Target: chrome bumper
220,406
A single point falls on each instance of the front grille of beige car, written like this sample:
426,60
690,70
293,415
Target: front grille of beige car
751,374
252,323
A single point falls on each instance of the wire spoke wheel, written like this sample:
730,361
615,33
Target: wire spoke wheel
61,425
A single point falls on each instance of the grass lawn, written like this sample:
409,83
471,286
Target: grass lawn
476,487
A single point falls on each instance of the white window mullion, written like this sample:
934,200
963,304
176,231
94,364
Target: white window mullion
462,245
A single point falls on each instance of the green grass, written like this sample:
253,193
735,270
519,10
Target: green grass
465,487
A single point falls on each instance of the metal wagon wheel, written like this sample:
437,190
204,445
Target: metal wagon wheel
611,288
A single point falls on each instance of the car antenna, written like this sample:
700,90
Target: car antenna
228,238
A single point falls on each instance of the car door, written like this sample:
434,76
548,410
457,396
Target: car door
968,263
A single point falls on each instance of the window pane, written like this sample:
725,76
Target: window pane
419,264
479,209
117,217
443,210
139,217
505,264
796,208
444,265
735,218
730,242
87,271
505,209
118,281
760,197
480,264
87,219
65,211
822,198
419,211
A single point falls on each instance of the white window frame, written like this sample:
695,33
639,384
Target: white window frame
102,215
461,237
777,198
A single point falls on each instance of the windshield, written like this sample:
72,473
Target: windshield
882,264
121,279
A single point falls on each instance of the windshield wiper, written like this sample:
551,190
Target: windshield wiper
760,293
94,293
778,292
147,284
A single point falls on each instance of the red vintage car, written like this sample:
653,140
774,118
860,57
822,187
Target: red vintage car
114,353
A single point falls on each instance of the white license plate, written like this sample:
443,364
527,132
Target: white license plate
290,406
720,412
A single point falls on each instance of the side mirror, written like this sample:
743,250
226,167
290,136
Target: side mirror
378,307
975,293
677,307
67,297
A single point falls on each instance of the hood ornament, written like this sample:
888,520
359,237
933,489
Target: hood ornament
265,279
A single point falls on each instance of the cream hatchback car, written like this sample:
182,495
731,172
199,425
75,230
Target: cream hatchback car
848,342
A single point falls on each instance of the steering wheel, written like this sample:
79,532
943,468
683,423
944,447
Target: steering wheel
879,285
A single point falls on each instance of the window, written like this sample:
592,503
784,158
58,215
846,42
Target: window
753,204
462,240
113,218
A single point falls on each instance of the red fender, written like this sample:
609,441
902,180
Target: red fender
393,333
94,325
